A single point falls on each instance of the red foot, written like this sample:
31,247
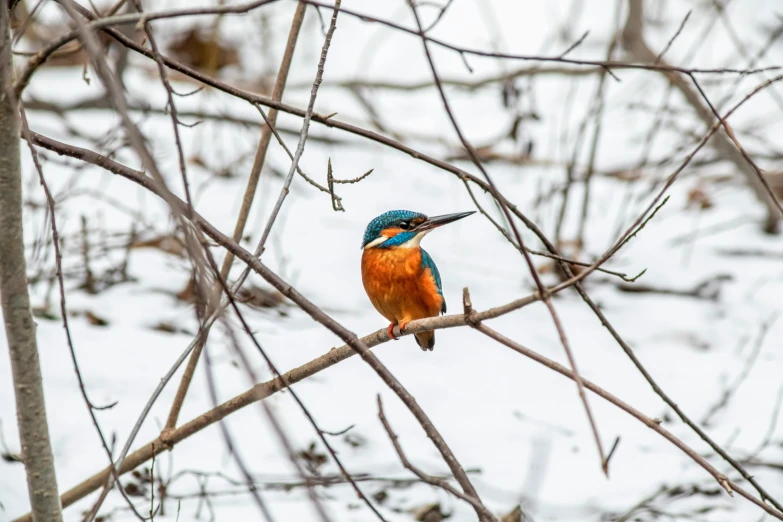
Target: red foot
390,331
402,325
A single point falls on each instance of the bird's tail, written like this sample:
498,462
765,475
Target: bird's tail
425,340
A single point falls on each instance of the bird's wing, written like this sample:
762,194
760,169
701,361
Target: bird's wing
427,262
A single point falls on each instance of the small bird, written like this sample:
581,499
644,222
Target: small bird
399,276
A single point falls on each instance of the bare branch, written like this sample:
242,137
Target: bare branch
429,479
653,424
244,212
303,134
462,51
15,300
531,267
633,39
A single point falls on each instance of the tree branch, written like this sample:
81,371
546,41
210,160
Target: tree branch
15,300
244,212
633,40
429,479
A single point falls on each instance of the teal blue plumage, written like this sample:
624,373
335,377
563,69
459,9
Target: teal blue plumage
427,262
401,279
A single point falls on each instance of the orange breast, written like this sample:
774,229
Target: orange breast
397,285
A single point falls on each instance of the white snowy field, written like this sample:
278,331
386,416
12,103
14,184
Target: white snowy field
518,427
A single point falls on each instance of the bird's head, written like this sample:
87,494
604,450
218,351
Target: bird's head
403,228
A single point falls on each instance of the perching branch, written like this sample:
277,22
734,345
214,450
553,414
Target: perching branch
525,254
263,390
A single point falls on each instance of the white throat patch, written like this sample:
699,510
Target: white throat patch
375,242
415,240
411,243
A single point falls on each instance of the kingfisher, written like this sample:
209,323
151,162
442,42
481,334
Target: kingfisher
399,276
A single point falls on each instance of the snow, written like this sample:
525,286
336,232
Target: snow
521,426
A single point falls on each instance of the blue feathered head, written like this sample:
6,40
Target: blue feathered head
400,227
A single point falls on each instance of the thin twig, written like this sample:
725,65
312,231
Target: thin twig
330,181
462,51
64,309
674,37
654,424
288,151
743,374
303,134
171,105
518,236
429,479
276,424
240,462
557,257
105,163
244,211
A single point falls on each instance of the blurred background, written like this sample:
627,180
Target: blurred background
581,148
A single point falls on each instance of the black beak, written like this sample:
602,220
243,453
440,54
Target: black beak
436,221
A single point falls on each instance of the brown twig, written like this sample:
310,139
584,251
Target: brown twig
288,151
429,479
531,267
170,103
730,133
303,134
654,424
557,257
468,85
731,389
462,51
330,181
263,390
674,37
597,128
276,424
440,164
633,39
101,104
240,462
91,407
247,201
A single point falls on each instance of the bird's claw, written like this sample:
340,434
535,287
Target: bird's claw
390,331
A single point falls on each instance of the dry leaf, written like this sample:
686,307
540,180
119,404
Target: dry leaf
697,197
189,294
204,53
430,513
312,459
515,515
94,319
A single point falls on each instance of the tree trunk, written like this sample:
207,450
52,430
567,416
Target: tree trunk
19,325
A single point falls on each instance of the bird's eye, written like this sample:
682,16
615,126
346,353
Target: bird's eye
405,225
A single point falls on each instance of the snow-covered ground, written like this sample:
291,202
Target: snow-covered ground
519,427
